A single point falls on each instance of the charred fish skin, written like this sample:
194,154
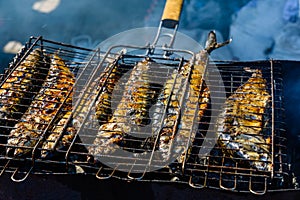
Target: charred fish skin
21,86
141,92
242,124
196,100
132,110
63,133
103,103
44,107
54,142
172,99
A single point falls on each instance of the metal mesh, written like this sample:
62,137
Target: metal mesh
215,169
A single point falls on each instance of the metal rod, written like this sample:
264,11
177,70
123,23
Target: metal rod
4,167
159,34
105,177
21,60
199,186
136,178
94,100
273,118
21,179
221,179
257,192
63,44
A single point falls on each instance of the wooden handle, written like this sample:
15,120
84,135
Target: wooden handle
171,13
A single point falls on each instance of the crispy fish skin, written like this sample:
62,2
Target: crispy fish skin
72,120
141,93
58,130
103,103
196,103
131,109
241,124
172,92
20,87
44,107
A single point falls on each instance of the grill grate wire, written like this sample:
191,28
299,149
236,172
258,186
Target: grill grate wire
214,170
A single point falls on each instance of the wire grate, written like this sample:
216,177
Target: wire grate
98,73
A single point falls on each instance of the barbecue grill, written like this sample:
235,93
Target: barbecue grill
212,169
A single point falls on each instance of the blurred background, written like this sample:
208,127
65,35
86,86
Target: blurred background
261,29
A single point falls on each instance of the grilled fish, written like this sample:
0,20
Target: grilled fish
21,86
43,109
196,102
173,93
56,132
132,109
241,126
141,92
107,82
64,132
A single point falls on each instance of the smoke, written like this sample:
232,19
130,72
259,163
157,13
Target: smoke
99,19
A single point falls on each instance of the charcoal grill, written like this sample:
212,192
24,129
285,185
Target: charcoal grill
214,170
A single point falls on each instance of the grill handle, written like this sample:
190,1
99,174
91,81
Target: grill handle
169,20
171,14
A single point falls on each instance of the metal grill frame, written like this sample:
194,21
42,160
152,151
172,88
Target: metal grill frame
279,174
270,180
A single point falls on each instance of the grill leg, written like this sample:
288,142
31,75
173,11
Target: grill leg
130,174
227,188
105,177
221,178
197,185
21,179
262,192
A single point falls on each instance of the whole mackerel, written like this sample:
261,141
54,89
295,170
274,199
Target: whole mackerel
20,87
242,126
177,136
43,109
131,111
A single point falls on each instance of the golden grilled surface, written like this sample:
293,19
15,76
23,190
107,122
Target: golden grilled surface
173,93
132,109
195,107
43,109
63,133
241,126
21,85
196,103
115,128
141,94
173,97
55,134
103,104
